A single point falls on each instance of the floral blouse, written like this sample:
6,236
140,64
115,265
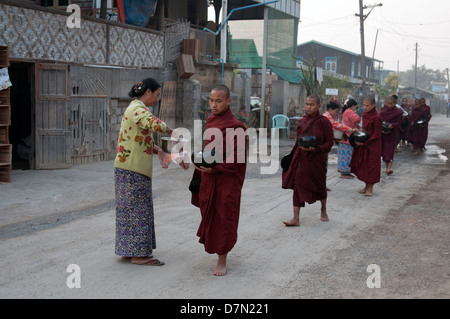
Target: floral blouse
135,144
336,125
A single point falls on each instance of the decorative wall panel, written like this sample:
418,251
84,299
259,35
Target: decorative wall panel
39,34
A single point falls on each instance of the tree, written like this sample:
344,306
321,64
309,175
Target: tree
389,87
343,85
391,83
382,91
424,77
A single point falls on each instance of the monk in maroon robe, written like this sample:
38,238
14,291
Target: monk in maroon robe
405,124
394,116
219,195
307,171
419,132
366,157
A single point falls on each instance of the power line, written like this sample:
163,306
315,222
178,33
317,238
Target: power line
418,24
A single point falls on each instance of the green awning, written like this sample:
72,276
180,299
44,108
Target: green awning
243,52
290,75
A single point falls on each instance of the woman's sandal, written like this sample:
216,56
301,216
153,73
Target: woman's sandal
151,262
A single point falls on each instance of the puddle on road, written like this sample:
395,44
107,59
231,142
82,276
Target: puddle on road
433,155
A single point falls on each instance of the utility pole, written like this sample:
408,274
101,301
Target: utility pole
262,114
448,93
415,74
362,18
223,34
448,80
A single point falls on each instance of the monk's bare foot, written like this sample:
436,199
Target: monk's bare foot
323,215
363,191
369,194
292,222
221,268
389,172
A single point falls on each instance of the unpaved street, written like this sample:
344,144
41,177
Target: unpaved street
70,219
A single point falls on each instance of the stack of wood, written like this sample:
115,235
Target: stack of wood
5,122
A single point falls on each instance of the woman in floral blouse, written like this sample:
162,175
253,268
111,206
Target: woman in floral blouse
135,229
331,114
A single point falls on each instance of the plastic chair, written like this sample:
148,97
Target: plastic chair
281,122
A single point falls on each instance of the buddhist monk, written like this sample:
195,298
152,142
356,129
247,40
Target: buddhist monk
307,172
366,157
405,123
219,195
419,132
393,116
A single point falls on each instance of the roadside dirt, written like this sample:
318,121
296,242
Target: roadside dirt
410,244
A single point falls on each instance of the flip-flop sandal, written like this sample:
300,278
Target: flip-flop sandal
152,262
127,258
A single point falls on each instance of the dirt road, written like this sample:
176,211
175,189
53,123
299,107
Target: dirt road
402,231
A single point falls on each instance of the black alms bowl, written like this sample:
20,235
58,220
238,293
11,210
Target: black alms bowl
203,158
360,137
307,141
385,127
421,122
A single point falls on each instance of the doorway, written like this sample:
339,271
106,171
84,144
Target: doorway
22,112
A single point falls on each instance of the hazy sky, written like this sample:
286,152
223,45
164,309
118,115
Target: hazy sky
400,24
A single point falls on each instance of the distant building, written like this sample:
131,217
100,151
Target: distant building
438,87
336,60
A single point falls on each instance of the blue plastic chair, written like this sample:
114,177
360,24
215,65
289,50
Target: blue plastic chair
281,122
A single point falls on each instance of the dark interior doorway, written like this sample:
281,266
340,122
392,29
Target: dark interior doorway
20,131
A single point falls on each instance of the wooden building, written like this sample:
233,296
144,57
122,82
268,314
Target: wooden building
70,84
336,60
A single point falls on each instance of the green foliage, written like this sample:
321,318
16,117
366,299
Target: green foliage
243,115
343,85
424,77
382,91
391,83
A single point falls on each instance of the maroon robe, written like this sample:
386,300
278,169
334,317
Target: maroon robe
418,135
219,197
405,123
366,159
307,172
389,140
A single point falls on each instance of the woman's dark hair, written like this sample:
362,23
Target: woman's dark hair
333,105
349,104
140,88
